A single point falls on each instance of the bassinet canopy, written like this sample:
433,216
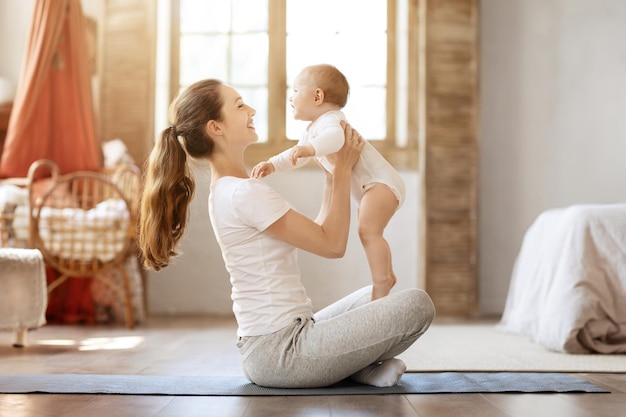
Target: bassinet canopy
52,113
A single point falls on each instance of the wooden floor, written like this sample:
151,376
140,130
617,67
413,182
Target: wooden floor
205,346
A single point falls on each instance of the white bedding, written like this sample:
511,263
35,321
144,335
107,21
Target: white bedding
568,287
71,233
13,216
74,233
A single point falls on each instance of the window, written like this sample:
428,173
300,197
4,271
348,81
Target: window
259,46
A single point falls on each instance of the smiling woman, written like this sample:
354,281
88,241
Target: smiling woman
260,234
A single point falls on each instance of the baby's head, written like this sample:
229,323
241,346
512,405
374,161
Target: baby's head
331,81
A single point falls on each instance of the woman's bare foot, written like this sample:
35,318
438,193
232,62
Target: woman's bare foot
383,374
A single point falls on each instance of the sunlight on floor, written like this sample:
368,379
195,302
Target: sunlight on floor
97,343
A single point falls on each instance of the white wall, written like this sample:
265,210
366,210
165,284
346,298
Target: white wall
15,17
553,116
15,20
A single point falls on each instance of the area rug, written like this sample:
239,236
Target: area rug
411,383
481,347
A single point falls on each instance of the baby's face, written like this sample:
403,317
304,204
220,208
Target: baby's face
303,97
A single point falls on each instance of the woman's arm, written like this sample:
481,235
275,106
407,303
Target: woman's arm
328,239
326,195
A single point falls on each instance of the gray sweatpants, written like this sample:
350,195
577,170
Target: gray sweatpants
338,341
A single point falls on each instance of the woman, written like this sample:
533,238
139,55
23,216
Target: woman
282,343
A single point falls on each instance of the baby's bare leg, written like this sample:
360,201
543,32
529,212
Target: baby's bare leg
377,206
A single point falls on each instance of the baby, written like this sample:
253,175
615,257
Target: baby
319,94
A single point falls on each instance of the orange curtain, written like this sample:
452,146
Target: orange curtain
52,114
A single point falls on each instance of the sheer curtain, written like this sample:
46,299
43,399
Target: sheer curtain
52,113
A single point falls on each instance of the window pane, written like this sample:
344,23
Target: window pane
303,50
204,15
202,57
366,111
365,63
367,59
249,15
228,40
357,46
336,16
249,59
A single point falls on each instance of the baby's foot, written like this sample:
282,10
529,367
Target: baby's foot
381,288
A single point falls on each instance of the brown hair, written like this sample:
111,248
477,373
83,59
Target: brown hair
332,82
168,181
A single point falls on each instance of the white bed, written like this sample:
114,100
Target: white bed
568,287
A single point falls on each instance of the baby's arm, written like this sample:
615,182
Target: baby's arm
329,140
262,169
301,151
282,161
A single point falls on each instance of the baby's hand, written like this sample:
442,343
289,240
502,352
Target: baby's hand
262,169
300,152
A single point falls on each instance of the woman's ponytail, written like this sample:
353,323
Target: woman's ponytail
167,192
168,181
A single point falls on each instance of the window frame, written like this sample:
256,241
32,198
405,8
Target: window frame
400,156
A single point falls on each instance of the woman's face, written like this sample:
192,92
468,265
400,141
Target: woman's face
303,98
237,116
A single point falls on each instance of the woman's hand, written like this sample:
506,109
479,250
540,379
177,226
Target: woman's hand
346,157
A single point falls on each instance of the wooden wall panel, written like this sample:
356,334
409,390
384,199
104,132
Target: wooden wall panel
126,72
449,149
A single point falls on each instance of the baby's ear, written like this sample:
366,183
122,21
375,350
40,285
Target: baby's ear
319,96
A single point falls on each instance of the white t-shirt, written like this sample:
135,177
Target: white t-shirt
267,291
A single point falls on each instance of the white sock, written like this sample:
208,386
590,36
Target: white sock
383,374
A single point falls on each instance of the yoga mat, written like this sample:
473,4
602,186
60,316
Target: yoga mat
410,383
